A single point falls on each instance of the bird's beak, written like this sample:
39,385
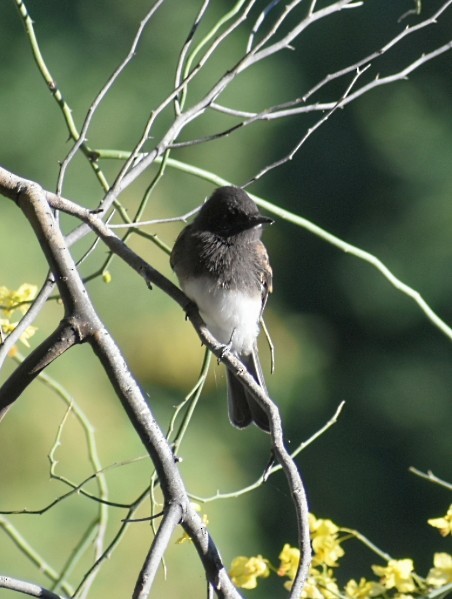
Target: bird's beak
264,220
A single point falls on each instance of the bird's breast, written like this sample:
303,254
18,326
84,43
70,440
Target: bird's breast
230,315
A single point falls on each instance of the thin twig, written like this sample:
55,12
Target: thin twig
119,534
192,399
184,51
158,221
332,240
85,541
357,535
54,89
259,21
78,489
32,555
103,92
171,518
270,345
431,477
275,467
28,318
308,133
101,522
215,45
261,51
291,108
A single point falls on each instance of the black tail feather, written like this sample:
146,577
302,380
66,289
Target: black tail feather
243,407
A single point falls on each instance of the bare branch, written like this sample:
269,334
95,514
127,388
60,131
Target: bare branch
233,363
28,588
342,245
171,519
291,108
259,21
65,336
32,199
275,467
261,51
309,132
431,477
185,49
158,221
27,319
103,92
33,555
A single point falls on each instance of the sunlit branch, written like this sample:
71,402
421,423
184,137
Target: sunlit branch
275,467
54,89
185,49
27,588
258,24
331,239
291,108
309,132
103,92
431,478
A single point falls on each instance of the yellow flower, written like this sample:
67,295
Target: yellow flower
441,573
245,571
321,527
444,524
290,558
7,327
320,584
326,583
397,574
325,543
17,300
310,589
363,589
326,550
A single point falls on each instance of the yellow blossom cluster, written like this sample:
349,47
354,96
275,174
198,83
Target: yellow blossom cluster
444,524
325,542
397,579
246,570
16,301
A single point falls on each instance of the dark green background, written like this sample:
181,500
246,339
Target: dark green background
377,174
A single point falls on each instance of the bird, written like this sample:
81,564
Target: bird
223,267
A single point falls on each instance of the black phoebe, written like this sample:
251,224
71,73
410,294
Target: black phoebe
222,265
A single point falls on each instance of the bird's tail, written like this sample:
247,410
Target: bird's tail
243,407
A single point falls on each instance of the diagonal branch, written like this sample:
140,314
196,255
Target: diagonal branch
28,588
65,336
78,307
102,93
233,363
308,133
27,319
154,557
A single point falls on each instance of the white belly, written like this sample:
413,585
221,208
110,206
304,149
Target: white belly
230,315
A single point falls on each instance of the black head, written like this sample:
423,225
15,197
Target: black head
228,211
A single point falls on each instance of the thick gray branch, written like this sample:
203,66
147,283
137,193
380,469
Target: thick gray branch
82,315
28,588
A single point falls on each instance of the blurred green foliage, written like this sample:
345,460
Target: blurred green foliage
377,174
